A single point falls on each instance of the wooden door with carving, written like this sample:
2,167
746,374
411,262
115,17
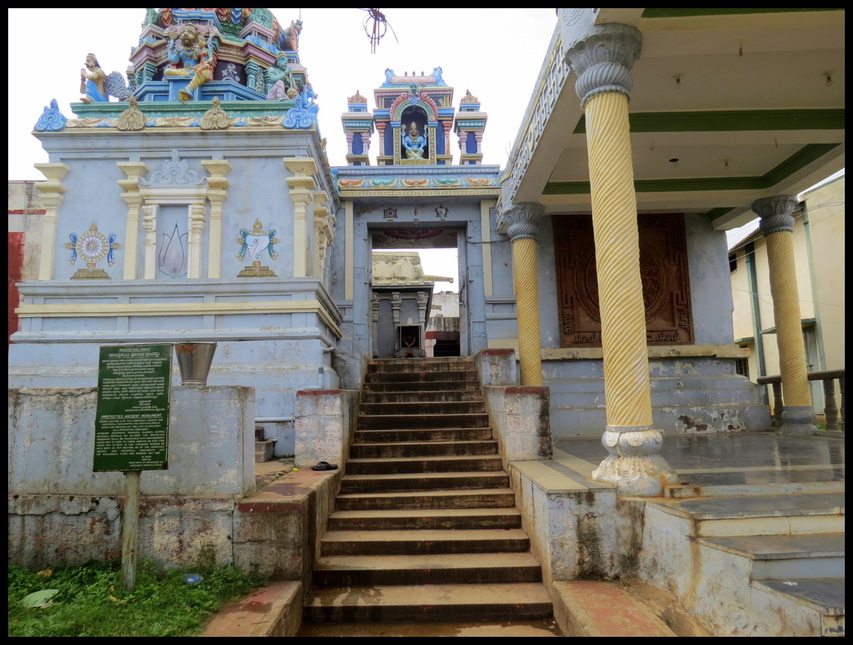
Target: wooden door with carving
663,269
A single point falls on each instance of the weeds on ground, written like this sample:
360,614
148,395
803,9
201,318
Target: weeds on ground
89,600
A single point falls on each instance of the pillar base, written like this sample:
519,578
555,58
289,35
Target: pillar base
633,464
797,420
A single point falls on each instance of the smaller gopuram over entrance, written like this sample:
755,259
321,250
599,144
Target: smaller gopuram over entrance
412,196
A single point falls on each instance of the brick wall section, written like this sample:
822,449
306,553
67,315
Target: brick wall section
25,212
16,266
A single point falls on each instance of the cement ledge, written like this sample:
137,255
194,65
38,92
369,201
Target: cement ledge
553,477
598,608
654,351
274,610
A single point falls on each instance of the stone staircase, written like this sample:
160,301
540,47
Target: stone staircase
425,527
766,558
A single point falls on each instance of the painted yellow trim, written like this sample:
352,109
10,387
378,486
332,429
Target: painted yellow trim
75,310
504,343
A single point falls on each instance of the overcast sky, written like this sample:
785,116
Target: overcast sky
495,53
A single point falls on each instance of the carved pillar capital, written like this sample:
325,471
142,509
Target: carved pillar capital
775,213
602,57
523,220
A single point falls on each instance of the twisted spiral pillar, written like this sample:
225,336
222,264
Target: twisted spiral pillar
777,225
603,60
522,232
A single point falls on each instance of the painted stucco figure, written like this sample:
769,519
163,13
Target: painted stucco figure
92,81
291,35
281,75
414,143
192,58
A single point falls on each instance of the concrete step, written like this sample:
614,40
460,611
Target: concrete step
595,608
731,482
264,450
484,498
766,514
484,463
429,603
425,519
426,396
407,380
423,481
407,542
420,365
537,628
463,568
786,557
823,596
423,449
406,435
393,421
414,387
423,407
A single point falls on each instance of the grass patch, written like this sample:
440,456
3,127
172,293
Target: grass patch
89,600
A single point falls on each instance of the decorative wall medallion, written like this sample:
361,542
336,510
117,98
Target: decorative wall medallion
92,246
253,244
390,213
441,212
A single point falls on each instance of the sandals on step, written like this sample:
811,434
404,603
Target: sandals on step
324,465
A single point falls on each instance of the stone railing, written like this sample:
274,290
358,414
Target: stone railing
834,416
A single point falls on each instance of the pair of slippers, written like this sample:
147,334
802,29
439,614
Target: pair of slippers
324,465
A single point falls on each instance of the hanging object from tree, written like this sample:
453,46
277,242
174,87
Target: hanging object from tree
376,26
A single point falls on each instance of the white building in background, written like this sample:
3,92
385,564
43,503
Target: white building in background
819,253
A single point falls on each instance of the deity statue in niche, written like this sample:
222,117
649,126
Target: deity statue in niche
195,58
414,143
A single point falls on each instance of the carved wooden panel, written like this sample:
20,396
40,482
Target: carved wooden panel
663,269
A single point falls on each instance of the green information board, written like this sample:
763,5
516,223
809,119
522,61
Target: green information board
132,418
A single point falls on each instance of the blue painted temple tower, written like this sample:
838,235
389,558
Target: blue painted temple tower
200,207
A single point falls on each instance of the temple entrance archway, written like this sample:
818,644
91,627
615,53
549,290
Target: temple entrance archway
407,261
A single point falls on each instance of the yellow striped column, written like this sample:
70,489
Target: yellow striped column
522,232
602,59
777,225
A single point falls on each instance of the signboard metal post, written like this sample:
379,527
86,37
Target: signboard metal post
132,427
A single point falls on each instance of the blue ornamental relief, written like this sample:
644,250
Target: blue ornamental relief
303,115
52,120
